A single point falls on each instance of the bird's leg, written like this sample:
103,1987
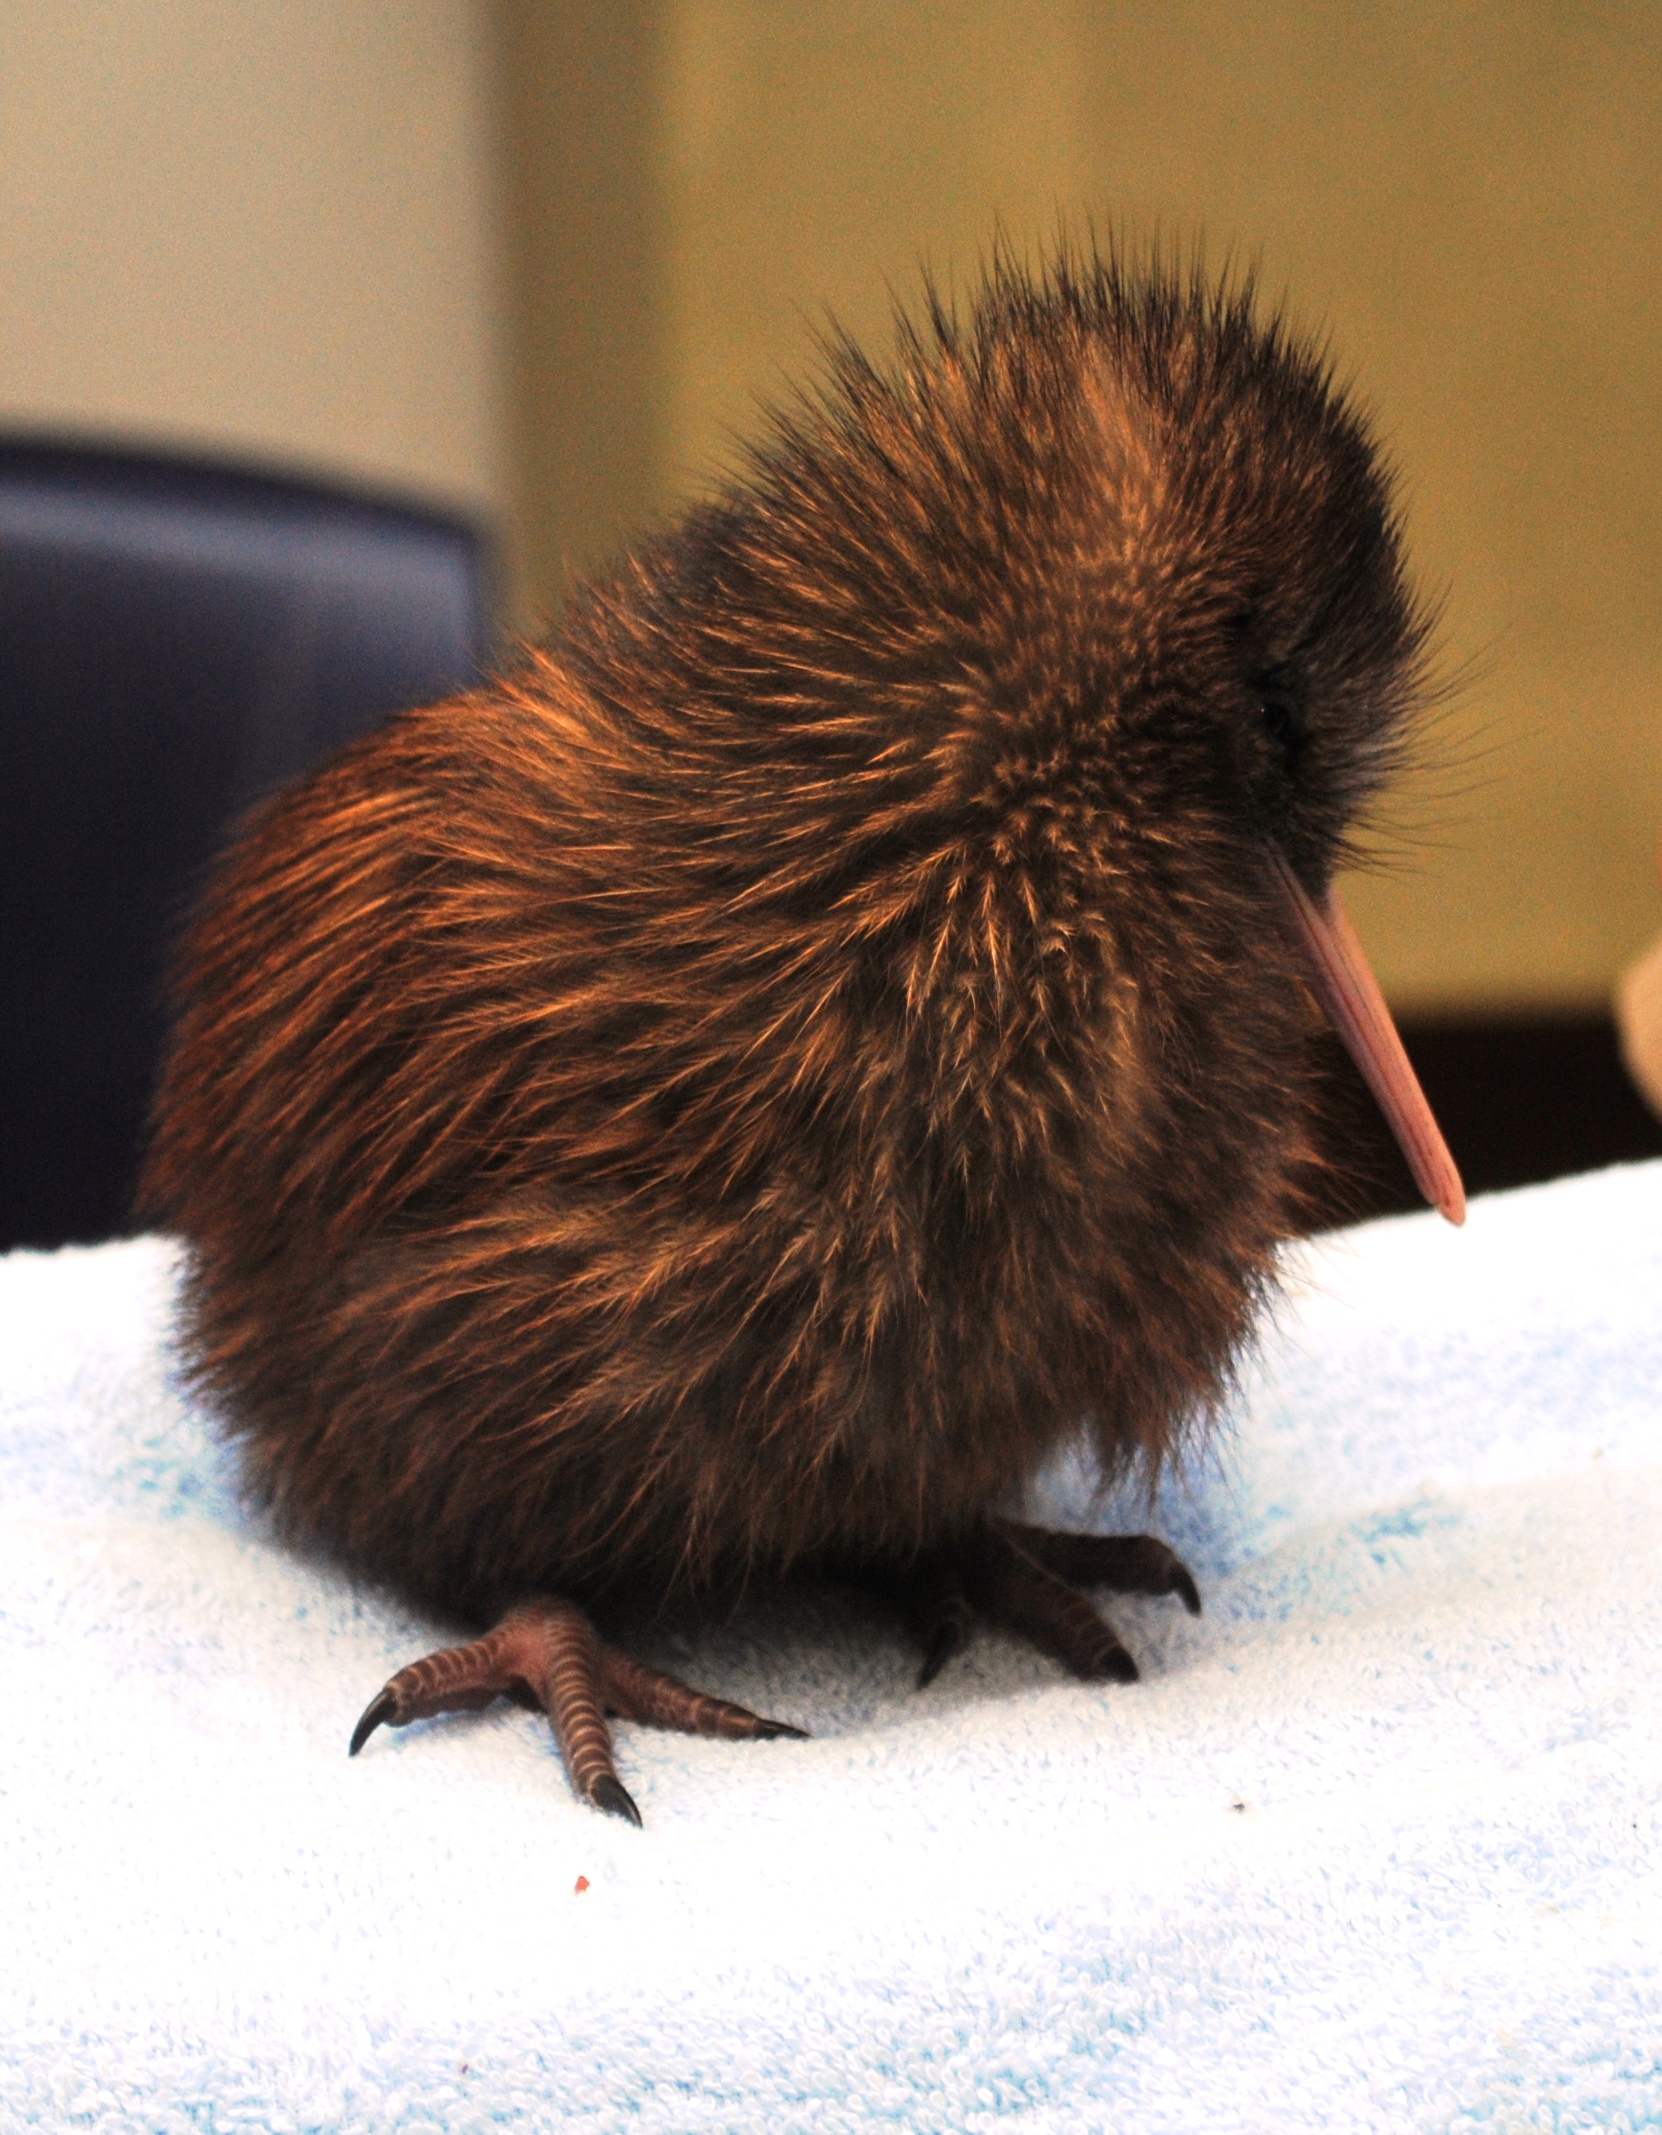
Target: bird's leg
1027,1578
545,1655
548,1656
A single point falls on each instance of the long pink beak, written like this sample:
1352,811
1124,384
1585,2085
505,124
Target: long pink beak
1337,969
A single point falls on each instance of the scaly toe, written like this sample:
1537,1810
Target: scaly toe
1125,1564
1009,1575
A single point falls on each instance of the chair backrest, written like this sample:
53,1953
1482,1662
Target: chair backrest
176,639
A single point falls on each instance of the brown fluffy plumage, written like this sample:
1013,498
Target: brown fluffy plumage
736,1091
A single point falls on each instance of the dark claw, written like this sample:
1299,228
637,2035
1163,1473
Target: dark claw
1114,1666
781,1731
946,1645
614,1797
380,1707
1186,1590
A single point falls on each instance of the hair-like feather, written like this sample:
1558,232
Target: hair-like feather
740,1089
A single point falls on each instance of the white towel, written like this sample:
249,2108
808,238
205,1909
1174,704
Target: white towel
1373,1845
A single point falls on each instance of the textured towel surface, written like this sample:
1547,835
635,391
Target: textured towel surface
1374,1844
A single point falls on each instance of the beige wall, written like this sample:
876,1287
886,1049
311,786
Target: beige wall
275,225
261,225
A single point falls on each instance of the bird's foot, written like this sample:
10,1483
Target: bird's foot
547,1656
1027,1579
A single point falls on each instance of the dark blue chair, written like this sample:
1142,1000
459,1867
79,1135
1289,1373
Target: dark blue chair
176,639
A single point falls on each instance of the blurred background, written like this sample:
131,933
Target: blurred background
537,260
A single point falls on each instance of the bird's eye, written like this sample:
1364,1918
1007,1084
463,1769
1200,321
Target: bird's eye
1283,721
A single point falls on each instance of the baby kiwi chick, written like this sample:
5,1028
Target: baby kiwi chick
734,1094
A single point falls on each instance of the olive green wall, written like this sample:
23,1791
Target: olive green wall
580,98
1466,199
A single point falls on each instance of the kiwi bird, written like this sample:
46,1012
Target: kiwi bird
741,1090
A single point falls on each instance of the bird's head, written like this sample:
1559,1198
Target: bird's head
1097,597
